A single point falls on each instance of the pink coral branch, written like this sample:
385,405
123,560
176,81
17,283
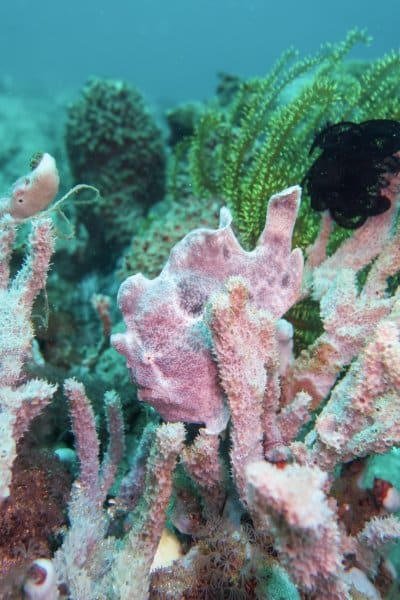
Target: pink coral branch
8,231
203,463
292,505
86,440
20,400
360,417
356,252
16,332
116,442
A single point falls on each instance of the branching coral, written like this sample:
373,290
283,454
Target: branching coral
283,479
91,563
257,506
20,399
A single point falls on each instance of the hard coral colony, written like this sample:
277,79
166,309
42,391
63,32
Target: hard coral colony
277,511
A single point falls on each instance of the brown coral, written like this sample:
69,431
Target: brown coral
32,515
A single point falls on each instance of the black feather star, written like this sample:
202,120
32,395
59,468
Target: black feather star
349,176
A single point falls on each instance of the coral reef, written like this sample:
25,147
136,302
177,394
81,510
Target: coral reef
150,247
29,122
283,480
21,399
256,466
207,342
32,516
181,121
114,144
259,143
368,149
254,139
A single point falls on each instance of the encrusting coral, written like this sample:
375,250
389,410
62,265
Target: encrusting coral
114,144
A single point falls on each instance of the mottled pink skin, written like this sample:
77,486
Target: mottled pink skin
33,192
168,345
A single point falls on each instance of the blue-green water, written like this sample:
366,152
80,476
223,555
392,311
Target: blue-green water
172,49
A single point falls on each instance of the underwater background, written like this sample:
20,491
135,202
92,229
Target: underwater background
172,50
134,426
